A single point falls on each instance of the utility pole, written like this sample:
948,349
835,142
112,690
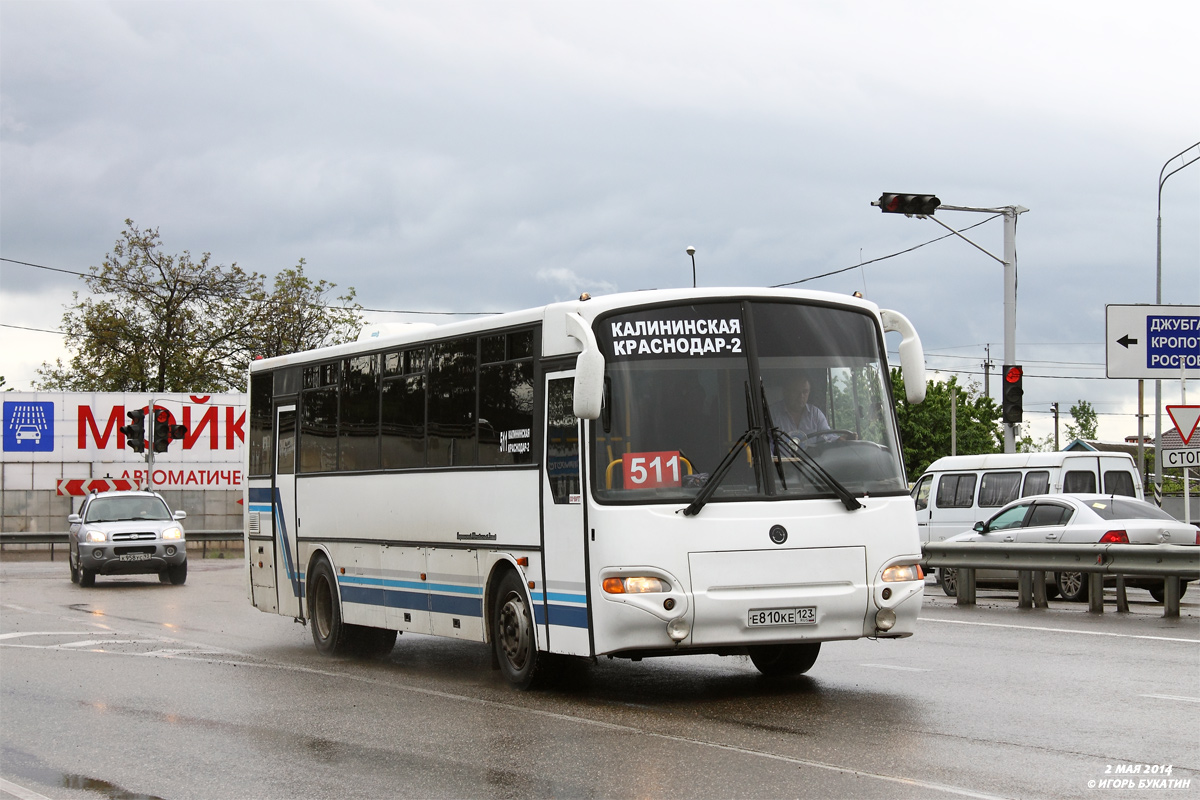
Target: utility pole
987,371
1054,406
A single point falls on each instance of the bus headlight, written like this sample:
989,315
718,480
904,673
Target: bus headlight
678,629
903,572
635,585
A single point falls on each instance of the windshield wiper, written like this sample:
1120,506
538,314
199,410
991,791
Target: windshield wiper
718,474
808,466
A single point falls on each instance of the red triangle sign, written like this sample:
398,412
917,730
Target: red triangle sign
1185,419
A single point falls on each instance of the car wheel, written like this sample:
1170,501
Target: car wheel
87,577
1159,593
948,580
1073,586
74,569
783,660
514,639
177,574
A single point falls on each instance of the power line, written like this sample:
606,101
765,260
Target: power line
881,258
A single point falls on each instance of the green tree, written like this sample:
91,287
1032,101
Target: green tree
925,428
1084,426
297,315
1027,444
159,322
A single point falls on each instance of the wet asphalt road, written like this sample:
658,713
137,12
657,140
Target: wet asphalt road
135,689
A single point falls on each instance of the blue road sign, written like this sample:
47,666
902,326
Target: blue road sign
28,427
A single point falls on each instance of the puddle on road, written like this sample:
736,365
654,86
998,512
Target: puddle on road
26,766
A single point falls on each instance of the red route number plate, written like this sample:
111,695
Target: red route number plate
652,470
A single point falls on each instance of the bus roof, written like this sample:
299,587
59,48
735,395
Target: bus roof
554,338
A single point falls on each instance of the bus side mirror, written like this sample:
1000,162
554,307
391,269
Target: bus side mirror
912,355
589,369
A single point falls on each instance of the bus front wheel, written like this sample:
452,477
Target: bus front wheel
514,638
782,660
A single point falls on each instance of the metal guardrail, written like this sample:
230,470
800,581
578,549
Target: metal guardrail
54,538
1032,561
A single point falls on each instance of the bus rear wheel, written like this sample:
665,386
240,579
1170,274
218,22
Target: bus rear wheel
514,638
332,635
783,660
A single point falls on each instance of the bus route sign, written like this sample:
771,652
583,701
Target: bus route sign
1154,342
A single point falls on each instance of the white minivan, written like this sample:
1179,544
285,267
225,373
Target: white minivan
957,491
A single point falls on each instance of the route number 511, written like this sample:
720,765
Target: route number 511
652,470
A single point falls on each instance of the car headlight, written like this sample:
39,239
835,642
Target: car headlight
173,533
95,535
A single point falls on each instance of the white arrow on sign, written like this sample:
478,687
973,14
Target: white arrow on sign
1185,418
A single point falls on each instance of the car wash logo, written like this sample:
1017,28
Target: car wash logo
28,427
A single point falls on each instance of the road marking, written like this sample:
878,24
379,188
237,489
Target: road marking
894,666
1060,630
1172,697
20,791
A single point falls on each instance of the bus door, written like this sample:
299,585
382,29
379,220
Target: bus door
289,576
562,607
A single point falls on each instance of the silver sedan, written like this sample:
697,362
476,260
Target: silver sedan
1074,519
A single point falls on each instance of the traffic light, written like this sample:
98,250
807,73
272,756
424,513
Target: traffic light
921,204
135,431
1011,408
162,430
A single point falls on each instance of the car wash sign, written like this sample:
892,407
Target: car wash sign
28,426
85,428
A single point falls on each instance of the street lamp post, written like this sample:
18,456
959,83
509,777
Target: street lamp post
1162,178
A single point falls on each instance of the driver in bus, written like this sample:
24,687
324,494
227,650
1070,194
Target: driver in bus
796,416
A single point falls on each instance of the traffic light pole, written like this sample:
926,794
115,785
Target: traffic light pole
1009,262
150,449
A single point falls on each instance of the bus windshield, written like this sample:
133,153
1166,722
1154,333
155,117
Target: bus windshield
796,396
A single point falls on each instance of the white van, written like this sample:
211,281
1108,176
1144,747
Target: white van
957,491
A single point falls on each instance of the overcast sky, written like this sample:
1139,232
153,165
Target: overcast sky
484,156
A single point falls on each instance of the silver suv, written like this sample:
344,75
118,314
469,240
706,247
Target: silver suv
127,533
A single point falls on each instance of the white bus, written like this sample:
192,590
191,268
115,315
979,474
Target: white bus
601,477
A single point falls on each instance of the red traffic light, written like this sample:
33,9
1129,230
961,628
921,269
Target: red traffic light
912,204
162,415
1013,375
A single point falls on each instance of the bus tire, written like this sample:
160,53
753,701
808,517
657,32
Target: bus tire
514,639
331,636
783,660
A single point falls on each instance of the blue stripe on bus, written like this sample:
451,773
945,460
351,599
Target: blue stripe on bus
418,601
417,585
